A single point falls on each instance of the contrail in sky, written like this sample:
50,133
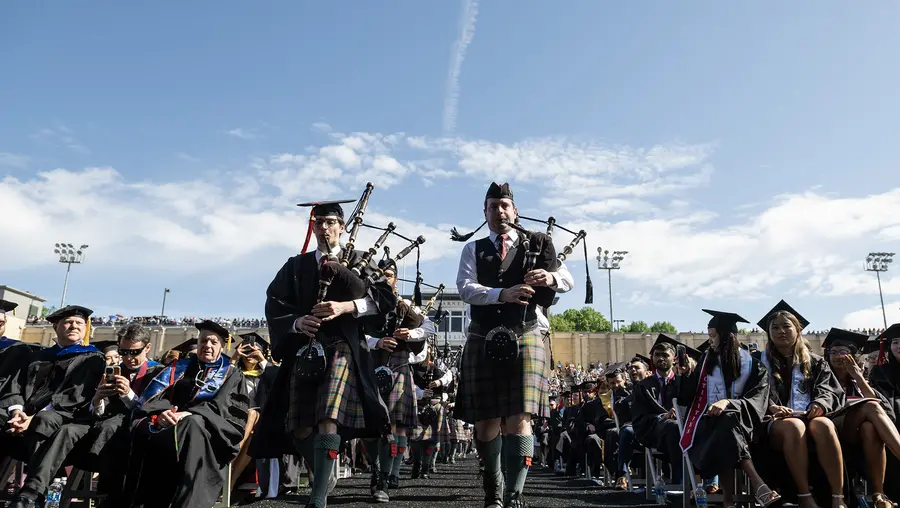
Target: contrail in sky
467,20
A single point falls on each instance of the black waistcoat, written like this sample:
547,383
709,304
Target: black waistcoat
422,377
508,273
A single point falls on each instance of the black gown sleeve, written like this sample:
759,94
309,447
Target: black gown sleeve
226,414
79,384
14,362
645,409
752,405
825,388
880,380
282,306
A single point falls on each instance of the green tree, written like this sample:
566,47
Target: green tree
636,327
47,311
663,327
585,319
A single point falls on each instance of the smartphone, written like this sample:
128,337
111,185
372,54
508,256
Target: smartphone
681,354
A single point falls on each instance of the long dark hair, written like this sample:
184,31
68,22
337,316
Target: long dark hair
729,357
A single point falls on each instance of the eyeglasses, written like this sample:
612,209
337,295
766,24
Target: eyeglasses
131,352
326,222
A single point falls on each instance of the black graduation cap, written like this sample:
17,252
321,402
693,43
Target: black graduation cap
871,346
763,323
253,337
839,337
642,358
187,347
566,392
214,327
665,339
892,332
553,396
588,385
614,369
724,322
6,306
70,311
496,191
106,346
323,209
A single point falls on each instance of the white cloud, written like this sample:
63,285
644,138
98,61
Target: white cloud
872,317
467,21
13,160
187,157
243,133
59,134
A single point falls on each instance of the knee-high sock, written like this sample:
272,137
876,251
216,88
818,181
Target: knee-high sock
504,445
373,449
326,452
489,451
402,442
386,455
519,451
304,448
418,451
430,453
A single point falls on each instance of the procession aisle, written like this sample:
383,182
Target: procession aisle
459,486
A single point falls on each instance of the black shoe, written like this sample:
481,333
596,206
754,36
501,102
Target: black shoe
416,470
380,495
493,488
313,505
514,500
393,482
27,498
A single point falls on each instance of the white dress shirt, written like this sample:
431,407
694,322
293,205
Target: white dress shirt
474,293
415,335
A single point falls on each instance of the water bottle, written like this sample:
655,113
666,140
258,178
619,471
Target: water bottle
700,496
54,494
861,496
659,490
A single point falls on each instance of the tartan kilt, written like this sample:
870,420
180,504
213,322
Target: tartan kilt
446,428
401,401
458,432
335,398
486,392
432,432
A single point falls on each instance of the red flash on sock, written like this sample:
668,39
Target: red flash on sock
393,450
401,450
528,461
428,451
333,454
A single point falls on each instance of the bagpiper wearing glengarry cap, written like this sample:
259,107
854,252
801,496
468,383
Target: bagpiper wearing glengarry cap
504,277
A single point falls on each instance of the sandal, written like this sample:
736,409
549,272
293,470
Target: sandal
766,498
881,501
806,495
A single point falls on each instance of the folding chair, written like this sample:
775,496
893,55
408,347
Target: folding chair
225,502
80,485
8,466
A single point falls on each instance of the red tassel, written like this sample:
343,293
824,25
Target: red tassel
312,220
393,450
333,454
528,461
882,354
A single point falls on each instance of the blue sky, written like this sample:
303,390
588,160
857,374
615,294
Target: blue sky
742,154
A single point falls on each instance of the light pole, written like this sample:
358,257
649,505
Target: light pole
68,255
878,262
162,313
616,323
609,264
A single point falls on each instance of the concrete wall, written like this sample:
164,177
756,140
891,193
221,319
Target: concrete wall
14,326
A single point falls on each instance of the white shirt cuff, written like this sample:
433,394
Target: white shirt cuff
372,341
364,306
10,409
98,410
129,399
493,296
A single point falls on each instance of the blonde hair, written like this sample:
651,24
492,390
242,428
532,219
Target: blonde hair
801,354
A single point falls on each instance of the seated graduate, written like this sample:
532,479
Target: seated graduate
885,378
803,391
188,426
654,401
620,440
593,422
14,359
60,382
866,421
727,396
94,439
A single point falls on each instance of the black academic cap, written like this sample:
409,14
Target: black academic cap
665,339
255,337
106,345
69,311
763,323
186,347
839,337
588,385
724,321
326,208
6,306
891,333
566,393
214,327
870,346
616,368
642,358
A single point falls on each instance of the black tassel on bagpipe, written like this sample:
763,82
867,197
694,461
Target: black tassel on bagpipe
588,285
457,237
417,289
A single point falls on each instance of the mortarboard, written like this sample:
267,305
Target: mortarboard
870,346
214,327
763,323
187,347
724,322
892,332
614,369
588,385
495,191
643,359
70,311
665,339
839,337
322,209
567,392
106,346
6,306
253,337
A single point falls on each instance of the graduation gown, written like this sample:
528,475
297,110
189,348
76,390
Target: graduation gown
646,408
14,359
885,379
720,442
291,295
63,380
181,465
